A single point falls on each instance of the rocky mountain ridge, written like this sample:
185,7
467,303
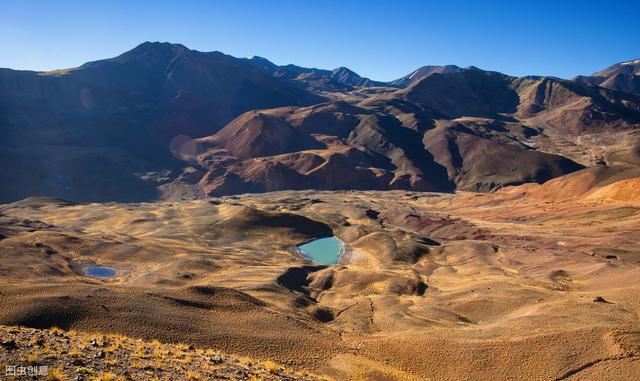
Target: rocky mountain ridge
163,121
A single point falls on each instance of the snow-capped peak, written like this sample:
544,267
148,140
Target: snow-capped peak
636,62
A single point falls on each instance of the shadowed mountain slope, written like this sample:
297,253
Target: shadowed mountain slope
162,122
367,147
102,131
468,129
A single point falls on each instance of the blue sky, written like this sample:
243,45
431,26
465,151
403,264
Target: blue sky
383,40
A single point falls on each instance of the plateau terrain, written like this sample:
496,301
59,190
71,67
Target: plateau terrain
529,282
156,208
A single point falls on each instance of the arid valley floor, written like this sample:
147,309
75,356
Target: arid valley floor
535,282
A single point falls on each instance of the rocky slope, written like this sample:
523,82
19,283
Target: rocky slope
60,355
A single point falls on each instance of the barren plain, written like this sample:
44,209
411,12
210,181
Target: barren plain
538,282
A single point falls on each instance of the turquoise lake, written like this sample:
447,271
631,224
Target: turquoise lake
99,271
323,251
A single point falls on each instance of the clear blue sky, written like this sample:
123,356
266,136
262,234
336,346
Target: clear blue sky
383,40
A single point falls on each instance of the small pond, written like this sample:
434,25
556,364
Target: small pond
100,271
323,251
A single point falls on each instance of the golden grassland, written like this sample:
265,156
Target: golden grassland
531,282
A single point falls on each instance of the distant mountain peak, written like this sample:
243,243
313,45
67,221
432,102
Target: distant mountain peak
632,62
260,59
263,63
425,71
626,67
623,76
349,77
157,45
147,51
343,69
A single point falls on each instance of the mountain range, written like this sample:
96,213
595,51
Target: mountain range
162,121
623,76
